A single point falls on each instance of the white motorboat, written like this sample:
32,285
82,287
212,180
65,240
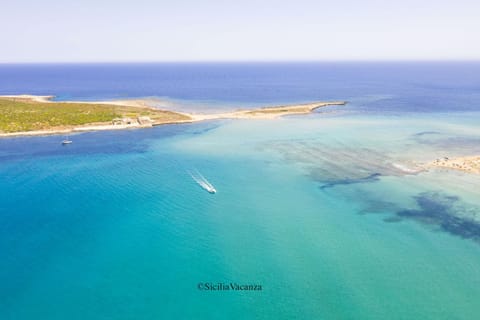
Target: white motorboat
211,189
203,182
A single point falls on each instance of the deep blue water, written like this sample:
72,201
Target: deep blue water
402,86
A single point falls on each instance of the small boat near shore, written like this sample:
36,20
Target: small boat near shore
66,141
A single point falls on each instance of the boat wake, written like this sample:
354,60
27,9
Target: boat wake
202,182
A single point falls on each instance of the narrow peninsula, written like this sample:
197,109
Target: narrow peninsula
40,115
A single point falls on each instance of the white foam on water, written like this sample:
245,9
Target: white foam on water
202,181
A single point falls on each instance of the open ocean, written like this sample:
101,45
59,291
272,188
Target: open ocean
324,211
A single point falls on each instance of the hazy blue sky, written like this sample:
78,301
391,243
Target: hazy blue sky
179,30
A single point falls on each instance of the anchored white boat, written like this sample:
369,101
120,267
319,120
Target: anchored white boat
66,141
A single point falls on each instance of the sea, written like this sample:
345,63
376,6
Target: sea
328,215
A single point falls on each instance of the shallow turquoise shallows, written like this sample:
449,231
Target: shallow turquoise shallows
329,213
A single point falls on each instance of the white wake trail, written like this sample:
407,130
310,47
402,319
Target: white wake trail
202,182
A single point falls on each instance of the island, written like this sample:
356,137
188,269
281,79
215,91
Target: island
41,115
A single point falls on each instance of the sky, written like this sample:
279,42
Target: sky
241,30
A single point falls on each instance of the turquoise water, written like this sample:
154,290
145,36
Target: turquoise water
324,211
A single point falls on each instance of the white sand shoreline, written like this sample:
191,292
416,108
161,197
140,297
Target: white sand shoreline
469,164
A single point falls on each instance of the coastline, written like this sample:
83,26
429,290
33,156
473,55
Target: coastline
271,112
470,164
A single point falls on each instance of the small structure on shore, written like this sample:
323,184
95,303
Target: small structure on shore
144,121
122,121
141,120
117,121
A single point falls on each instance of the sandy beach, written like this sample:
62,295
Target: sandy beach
266,112
466,164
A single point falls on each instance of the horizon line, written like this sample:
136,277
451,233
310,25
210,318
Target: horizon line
238,61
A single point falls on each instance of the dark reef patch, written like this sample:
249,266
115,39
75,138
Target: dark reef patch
436,210
443,212
423,133
336,163
370,178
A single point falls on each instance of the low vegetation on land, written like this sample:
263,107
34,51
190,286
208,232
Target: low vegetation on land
18,115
